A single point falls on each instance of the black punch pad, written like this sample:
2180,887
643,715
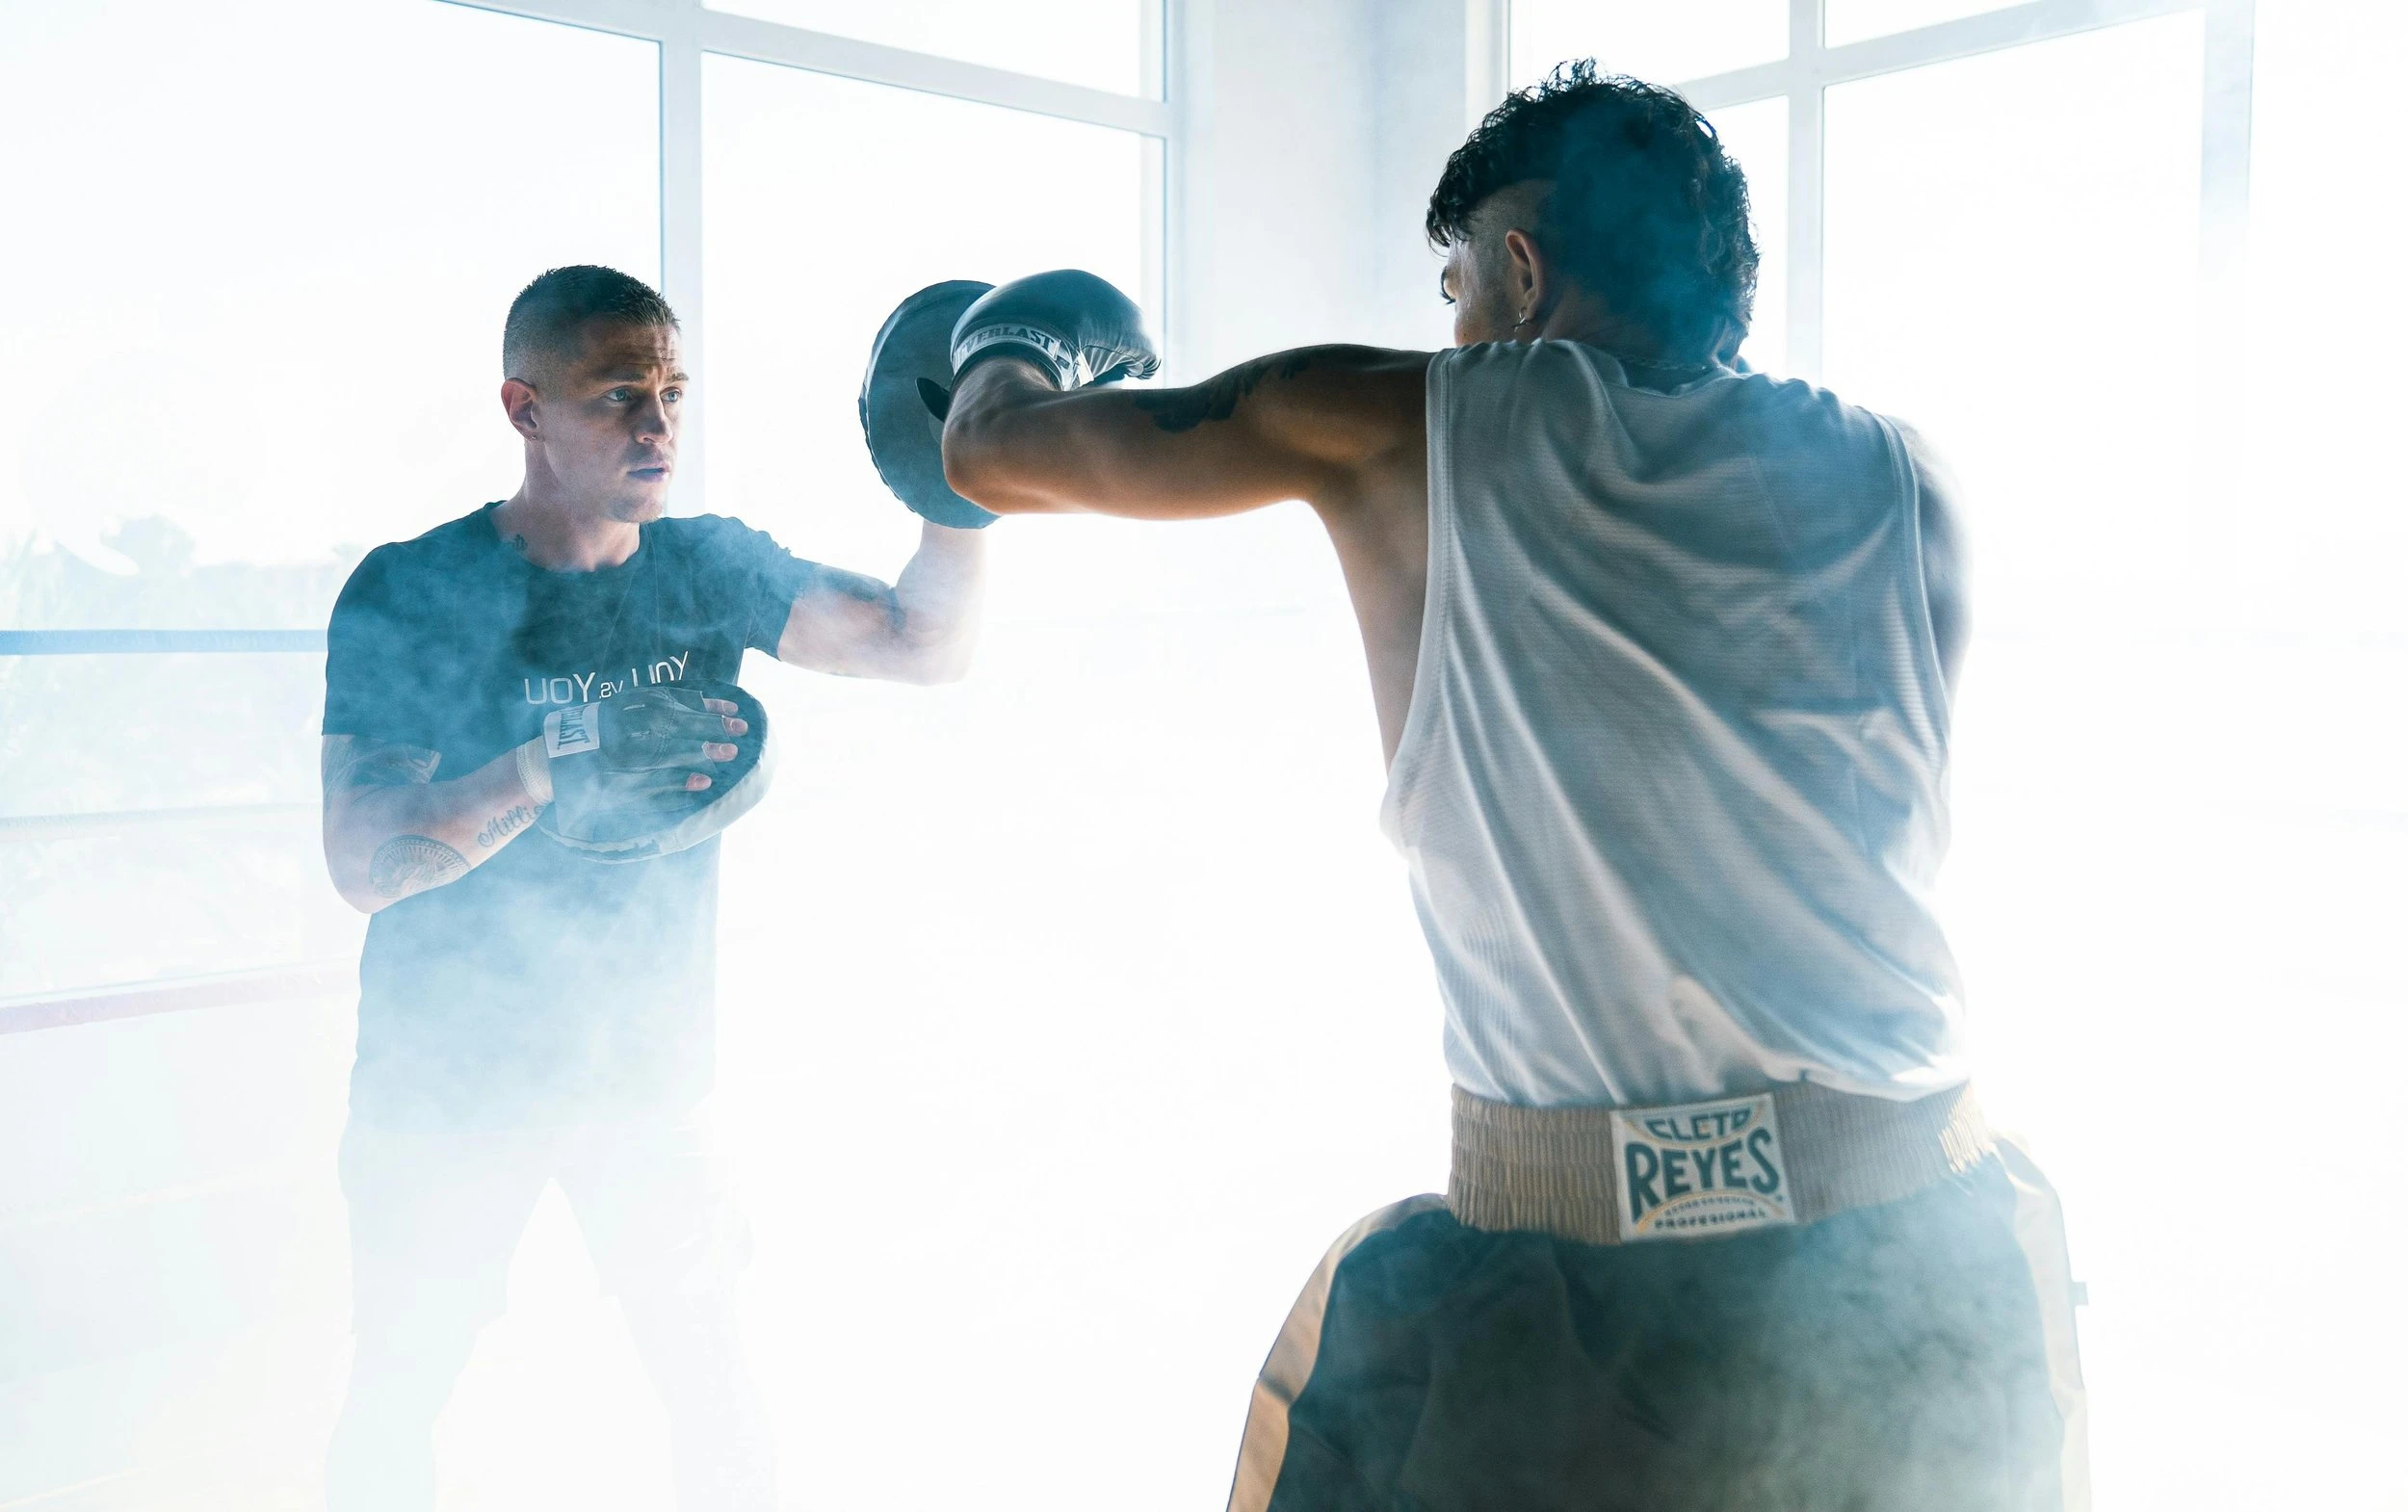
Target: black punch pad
736,788
902,395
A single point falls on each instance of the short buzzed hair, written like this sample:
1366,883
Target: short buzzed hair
548,316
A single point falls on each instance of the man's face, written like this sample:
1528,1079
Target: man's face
607,421
1491,272
1480,276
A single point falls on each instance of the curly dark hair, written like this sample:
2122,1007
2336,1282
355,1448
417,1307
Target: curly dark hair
1643,204
548,315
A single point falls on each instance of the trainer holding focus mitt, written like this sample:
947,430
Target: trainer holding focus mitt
1663,655
532,737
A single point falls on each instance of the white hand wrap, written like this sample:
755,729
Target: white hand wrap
534,772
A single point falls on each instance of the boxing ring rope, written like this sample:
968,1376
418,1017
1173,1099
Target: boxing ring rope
323,976
25,830
129,642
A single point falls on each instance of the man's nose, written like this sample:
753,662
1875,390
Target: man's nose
653,420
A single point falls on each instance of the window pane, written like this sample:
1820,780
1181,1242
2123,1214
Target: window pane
1758,135
2327,137
1662,43
1989,269
933,188
1854,21
266,247
1104,44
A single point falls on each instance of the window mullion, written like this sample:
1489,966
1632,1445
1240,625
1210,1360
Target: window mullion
681,227
1805,249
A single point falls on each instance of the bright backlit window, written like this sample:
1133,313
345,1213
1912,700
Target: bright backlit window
1989,283
262,336
1104,44
1757,136
1662,43
1854,21
826,201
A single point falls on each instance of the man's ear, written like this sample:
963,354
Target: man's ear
518,402
1526,280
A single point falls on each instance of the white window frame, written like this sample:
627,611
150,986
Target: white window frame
1811,69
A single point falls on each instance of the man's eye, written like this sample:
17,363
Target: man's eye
670,396
619,395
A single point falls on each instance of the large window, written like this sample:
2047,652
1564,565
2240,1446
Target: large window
2023,228
245,367
264,252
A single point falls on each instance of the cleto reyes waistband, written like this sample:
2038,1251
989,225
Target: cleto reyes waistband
1798,1154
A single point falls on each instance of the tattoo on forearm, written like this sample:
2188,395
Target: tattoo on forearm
407,864
1184,408
501,827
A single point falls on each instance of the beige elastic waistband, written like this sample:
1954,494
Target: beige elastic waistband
1551,1170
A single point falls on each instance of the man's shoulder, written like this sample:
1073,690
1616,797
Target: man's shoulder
443,546
1801,418
395,575
692,532
713,542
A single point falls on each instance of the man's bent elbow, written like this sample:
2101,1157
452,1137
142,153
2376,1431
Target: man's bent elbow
986,459
347,866
973,466
932,663
353,888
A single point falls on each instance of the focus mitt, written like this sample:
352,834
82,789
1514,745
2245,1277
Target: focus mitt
618,770
904,397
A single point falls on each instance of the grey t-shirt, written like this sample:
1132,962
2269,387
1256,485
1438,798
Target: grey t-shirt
543,986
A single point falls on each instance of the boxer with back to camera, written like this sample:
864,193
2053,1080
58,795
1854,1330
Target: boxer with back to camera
533,737
1662,653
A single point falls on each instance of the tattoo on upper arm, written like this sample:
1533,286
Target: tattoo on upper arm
352,762
1184,408
864,589
407,864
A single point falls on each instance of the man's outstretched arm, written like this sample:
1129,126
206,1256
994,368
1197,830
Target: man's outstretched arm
1316,423
918,630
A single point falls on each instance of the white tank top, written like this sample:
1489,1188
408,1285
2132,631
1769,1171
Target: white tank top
1672,789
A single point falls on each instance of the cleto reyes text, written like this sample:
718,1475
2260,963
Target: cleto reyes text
1701,1168
1654,1176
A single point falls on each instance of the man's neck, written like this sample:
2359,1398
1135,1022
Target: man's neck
558,536
1579,319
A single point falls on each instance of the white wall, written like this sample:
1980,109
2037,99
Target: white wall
1317,131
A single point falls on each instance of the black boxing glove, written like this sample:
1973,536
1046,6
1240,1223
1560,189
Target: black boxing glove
618,766
1076,326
